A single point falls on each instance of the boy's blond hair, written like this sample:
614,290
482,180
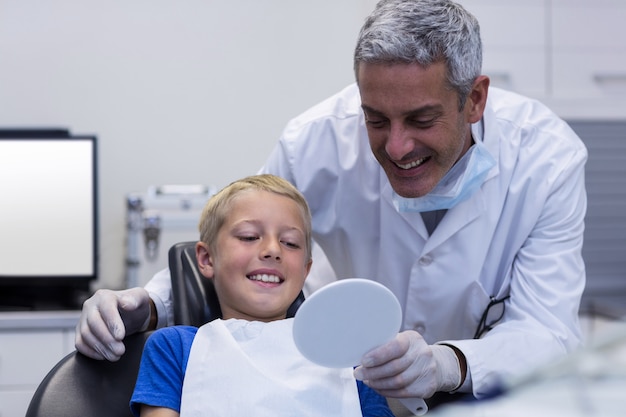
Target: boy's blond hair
216,210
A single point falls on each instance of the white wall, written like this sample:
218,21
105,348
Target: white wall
177,91
198,91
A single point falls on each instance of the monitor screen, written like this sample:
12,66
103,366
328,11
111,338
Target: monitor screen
48,227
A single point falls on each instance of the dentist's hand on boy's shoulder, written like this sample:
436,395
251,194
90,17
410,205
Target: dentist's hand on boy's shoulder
408,367
109,316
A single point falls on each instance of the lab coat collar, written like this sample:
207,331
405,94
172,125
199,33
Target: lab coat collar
412,219
486,130
455,219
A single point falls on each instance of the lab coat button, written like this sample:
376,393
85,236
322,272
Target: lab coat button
420,328
426,260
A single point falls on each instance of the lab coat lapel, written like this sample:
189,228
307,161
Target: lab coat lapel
456,218
453,221
414,220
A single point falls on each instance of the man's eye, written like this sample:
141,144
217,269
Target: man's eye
375,123
423,122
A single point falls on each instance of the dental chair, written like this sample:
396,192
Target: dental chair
79,386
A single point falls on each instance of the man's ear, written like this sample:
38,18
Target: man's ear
477,99
205,260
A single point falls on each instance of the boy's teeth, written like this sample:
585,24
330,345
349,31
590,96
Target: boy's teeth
265,278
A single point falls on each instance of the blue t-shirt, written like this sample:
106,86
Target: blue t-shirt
163,365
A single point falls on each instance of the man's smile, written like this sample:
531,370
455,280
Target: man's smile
413,164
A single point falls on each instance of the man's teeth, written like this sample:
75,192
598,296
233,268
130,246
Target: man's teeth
412,164
264,278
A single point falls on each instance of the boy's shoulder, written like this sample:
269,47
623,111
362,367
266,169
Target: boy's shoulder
174,333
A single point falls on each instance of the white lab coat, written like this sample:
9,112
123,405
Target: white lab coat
521,233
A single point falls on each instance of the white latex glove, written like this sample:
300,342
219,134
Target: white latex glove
407,367
107,317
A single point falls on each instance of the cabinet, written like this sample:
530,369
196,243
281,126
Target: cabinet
589,48
570,54
514,43
30,345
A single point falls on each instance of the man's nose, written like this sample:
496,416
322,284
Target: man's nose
398,142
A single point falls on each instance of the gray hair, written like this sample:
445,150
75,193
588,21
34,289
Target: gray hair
218,207
423,32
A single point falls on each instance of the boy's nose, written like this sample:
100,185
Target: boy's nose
271,249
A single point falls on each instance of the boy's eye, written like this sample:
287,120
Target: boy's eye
292,245
248,238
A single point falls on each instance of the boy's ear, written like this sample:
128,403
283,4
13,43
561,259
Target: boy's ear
205,260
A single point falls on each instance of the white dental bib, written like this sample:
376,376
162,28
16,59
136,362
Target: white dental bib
241,368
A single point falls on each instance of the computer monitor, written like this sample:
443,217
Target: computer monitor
48,218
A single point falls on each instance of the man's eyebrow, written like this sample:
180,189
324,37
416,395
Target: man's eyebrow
427,109
371,110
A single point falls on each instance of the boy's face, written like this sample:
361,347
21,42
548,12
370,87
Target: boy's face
259,262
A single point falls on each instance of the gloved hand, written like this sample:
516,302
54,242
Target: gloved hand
407,367
107,317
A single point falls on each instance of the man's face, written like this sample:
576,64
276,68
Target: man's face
415,128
